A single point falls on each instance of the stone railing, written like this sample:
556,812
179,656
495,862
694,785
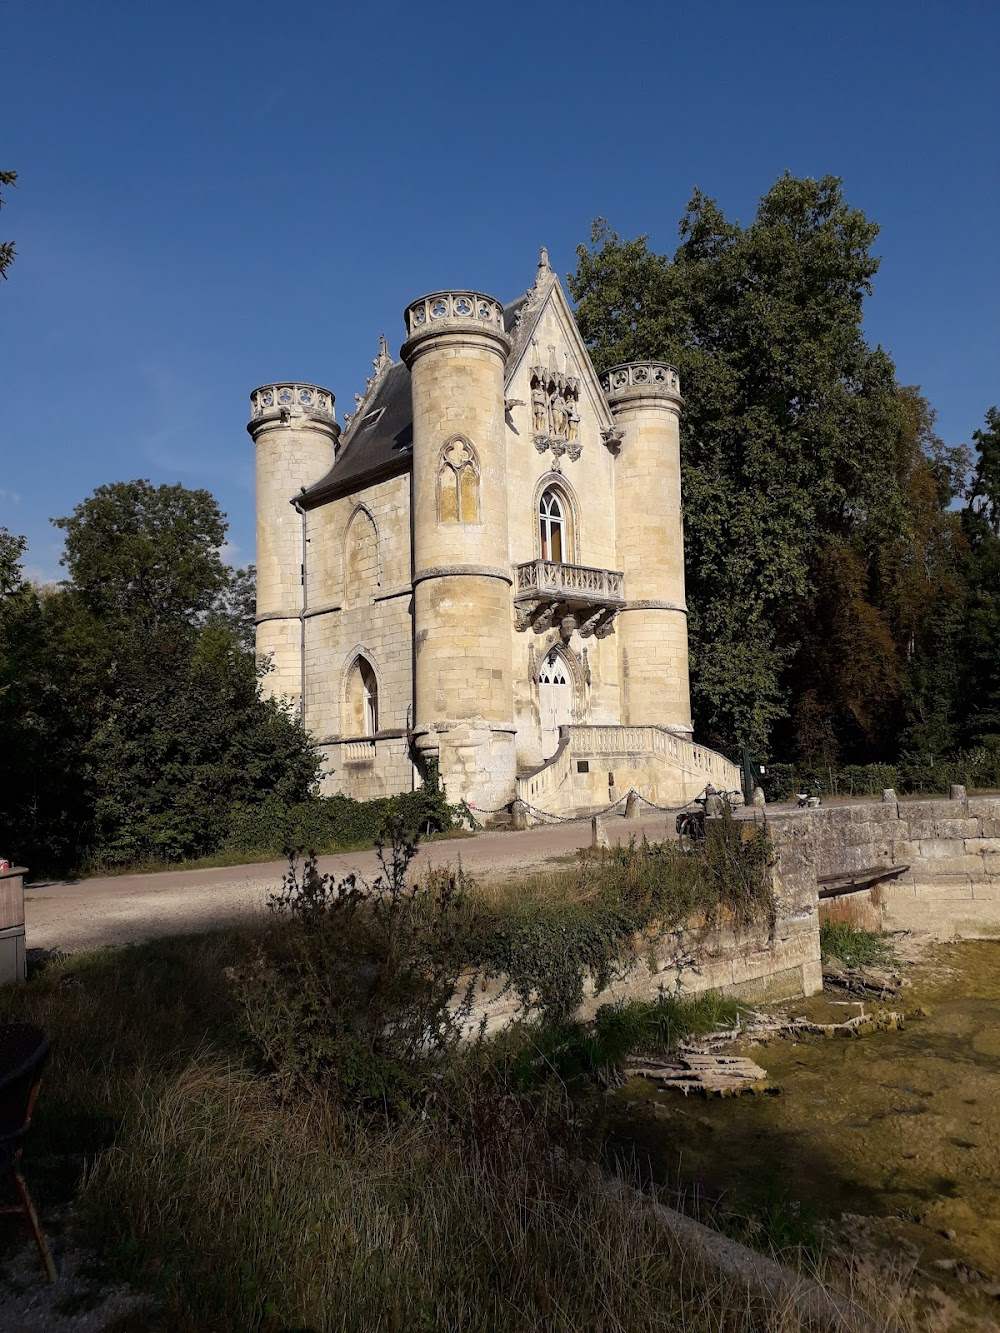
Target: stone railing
469,307
358,752
562,788
585,582
291,400
619,741
641,375
534,788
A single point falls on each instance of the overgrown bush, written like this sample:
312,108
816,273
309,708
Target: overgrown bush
362,990
358,988
913,773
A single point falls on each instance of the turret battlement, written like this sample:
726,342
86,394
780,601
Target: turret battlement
280,404
456,313
640,379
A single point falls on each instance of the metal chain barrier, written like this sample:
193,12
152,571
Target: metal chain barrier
572,819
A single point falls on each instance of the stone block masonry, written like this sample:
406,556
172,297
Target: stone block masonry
950,848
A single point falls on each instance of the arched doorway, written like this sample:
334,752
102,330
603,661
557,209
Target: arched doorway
555,701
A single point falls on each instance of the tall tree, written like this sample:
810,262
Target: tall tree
787,441
130,710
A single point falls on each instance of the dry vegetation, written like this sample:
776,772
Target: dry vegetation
242,1195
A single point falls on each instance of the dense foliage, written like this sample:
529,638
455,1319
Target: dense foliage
130,712
371,987
843,607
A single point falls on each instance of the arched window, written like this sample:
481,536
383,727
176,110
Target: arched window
552,519
362,700
458,483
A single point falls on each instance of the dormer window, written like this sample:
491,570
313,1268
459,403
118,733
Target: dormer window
370,418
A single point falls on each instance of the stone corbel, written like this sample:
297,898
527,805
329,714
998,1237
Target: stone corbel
606,624
524,615
612,437
541,443
574,450
590,624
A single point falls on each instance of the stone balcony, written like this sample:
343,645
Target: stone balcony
572,597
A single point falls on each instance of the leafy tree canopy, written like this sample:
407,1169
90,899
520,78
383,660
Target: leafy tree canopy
148,554
789,444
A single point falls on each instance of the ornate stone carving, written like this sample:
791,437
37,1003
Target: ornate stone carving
642,375
612,437
573,597
555,417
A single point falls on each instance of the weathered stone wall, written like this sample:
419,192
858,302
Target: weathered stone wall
359,603
747,965
951,848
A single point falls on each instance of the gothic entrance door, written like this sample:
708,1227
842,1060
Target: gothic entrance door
555,701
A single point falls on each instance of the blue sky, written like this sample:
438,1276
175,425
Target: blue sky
212,195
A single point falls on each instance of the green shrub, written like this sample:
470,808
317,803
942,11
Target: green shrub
327,823
358,988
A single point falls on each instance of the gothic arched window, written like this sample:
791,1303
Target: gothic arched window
552,521
362,700
458,483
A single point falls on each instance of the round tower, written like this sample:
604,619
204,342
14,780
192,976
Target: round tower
644,398
294,430
456,349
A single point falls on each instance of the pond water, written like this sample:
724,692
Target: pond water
903,1126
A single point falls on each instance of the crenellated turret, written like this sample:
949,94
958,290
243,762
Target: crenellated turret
456,351
645,400
294,429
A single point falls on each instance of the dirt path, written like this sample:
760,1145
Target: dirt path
123,909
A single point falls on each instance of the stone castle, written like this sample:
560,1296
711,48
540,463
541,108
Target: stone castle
484,569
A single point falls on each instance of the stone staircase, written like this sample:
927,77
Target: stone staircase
595,766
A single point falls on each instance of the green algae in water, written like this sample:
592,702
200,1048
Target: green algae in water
899,1125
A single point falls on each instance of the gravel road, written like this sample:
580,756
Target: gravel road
123,909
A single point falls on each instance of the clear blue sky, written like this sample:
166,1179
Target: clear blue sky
215,194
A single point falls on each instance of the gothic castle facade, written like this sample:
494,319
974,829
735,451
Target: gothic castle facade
483,569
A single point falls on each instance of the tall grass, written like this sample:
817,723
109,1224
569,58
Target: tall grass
244,1198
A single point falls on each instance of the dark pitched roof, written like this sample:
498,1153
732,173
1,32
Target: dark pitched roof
373,449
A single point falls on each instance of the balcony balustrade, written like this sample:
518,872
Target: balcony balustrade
580,597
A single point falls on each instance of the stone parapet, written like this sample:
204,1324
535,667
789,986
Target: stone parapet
639,381
457,314
283,403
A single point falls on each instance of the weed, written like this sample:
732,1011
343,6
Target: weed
857,948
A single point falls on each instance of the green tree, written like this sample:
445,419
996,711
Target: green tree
980,637
7,251
147,554
787,441
132,719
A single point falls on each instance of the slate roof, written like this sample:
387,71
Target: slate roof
384,448
372,451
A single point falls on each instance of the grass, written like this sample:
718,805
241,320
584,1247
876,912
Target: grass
241,1199
240,1210
858,948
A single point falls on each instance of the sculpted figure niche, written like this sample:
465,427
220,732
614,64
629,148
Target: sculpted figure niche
555,415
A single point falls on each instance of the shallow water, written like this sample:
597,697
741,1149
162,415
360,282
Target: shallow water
899,1125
